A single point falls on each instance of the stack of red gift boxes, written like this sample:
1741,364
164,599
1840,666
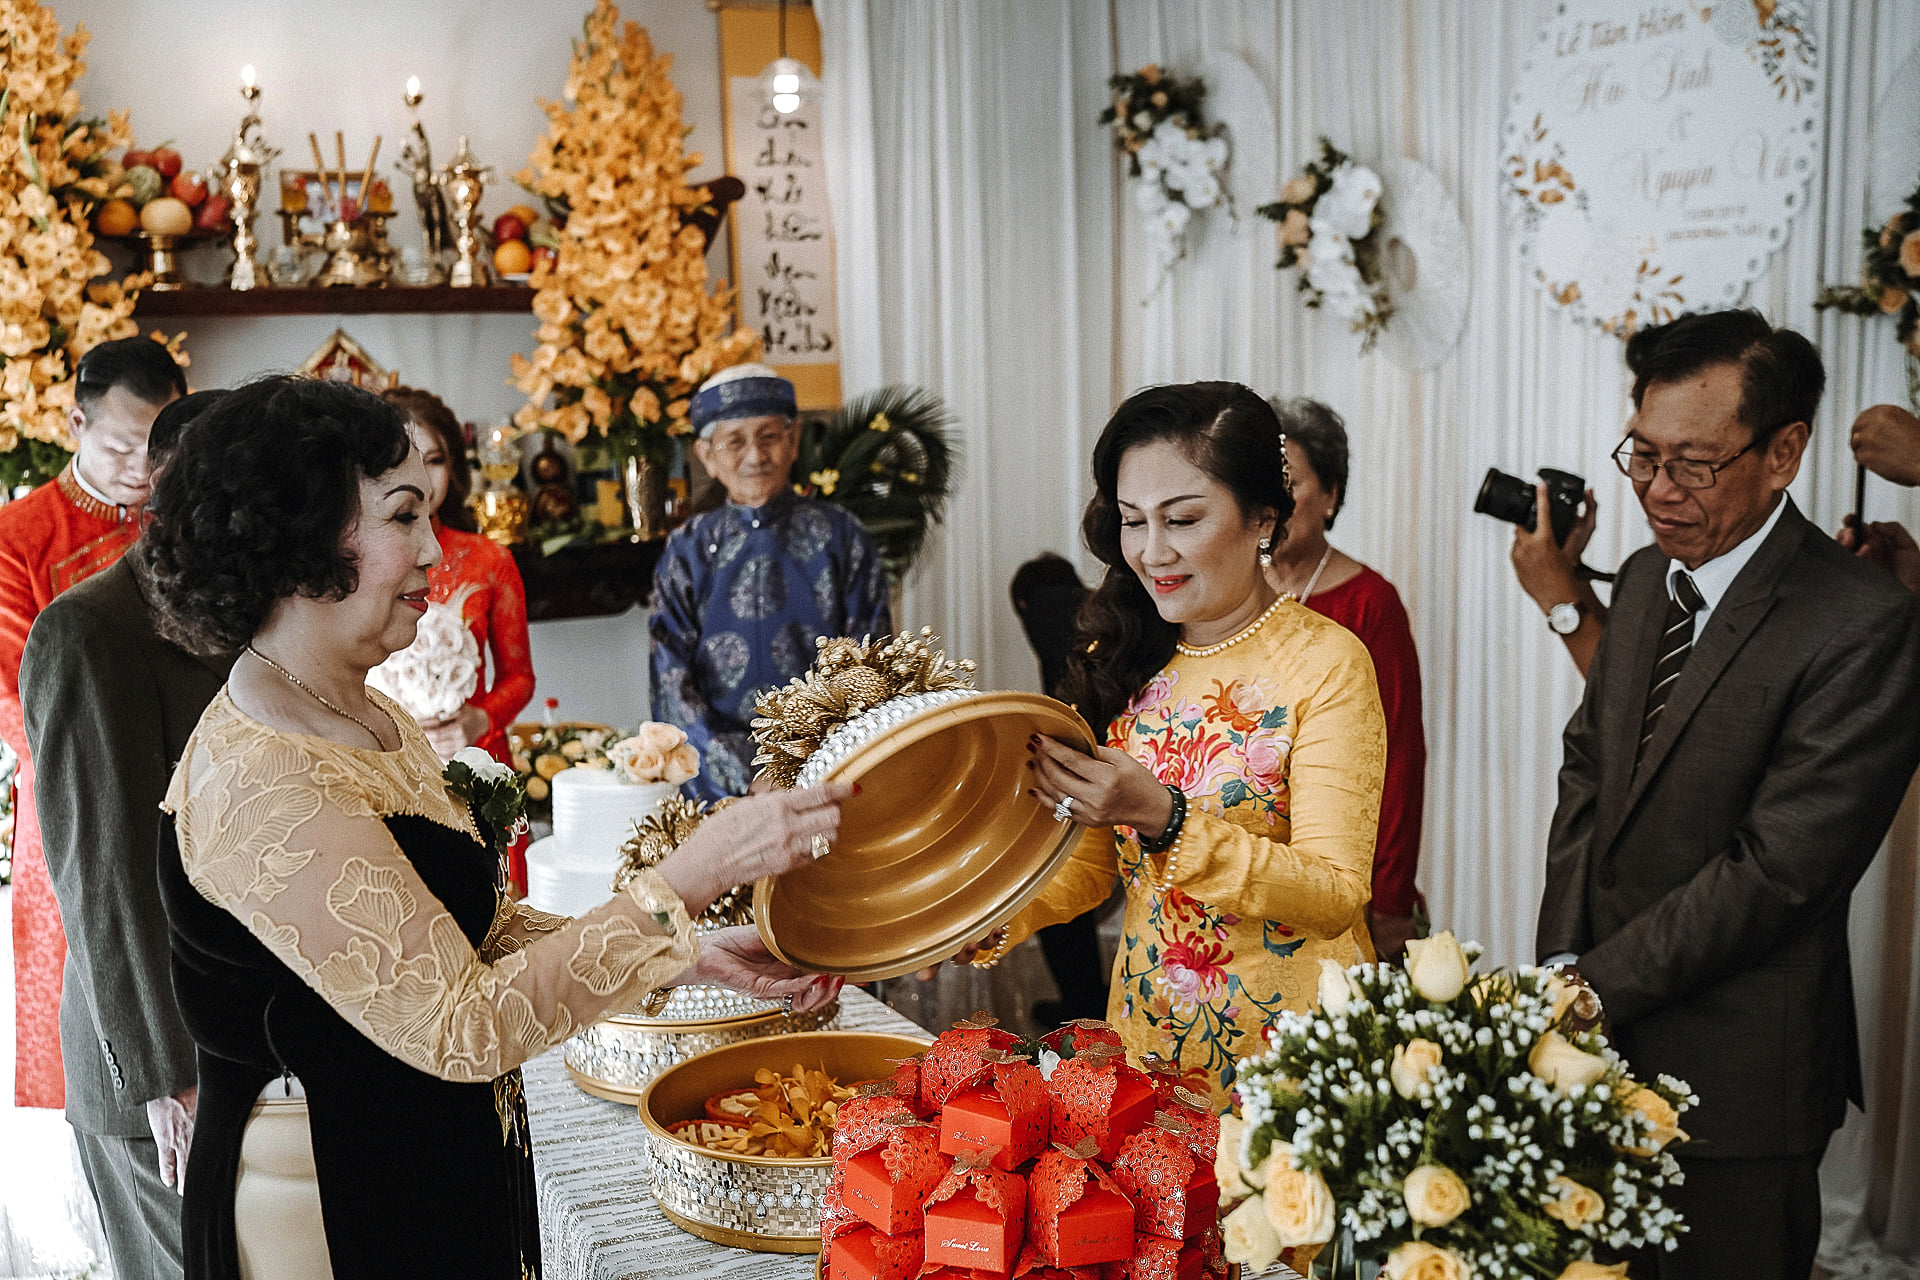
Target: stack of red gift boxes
968,1164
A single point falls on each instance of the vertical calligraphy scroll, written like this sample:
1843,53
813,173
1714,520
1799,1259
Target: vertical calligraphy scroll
782,229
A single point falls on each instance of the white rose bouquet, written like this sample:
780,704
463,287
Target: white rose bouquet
435,675
1456,1127
1176,159
1328,213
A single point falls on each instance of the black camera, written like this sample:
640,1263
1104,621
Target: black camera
1510,498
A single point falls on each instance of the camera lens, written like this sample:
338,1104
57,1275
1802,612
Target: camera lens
1506,497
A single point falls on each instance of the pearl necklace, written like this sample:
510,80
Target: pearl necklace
1190,652
315,694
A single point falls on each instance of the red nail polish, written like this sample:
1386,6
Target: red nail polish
856,788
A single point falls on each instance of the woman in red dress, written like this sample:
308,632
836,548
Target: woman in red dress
494,603
1335,585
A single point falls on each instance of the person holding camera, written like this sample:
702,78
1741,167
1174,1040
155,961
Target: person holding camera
1746,735
1549,569
1886,441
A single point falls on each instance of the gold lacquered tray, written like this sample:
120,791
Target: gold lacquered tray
942,846
763,1203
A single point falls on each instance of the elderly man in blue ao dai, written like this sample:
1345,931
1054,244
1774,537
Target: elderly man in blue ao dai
742,592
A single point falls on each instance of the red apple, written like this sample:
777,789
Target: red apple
212,215
543,254
134,159
508,227
168,162
189,189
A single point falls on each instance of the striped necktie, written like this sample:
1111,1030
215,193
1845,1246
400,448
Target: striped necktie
1676,642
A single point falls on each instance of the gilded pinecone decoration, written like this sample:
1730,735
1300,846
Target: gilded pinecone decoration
848,678
663,831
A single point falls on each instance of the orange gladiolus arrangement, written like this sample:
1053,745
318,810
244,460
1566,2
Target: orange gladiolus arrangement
628,326
53,172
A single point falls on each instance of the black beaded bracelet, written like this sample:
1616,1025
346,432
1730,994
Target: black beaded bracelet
1164,841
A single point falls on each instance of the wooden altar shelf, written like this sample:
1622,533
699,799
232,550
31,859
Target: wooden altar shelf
587,582
392,300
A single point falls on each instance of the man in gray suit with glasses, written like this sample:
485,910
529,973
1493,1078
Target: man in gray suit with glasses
1750,724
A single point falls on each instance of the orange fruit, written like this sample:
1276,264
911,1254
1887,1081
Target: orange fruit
116,218
525,213
512,257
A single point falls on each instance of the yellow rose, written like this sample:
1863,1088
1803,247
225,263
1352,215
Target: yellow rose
1411,1062
1555,1060
574,749
1418,1260
549,764
1435,1195
633,758
1581,1269
1250,1240
1910,254
1666,1121
1576,1206
1892,297
1298,1203
683,763
663,738
1227,1170
1437,966
1299,189
1562,993
1336,989
537,788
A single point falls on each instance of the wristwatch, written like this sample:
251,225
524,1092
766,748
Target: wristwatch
1564,619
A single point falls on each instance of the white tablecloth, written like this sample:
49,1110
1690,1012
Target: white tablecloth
598,1220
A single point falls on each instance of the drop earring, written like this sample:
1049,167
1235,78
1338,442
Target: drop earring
1266,552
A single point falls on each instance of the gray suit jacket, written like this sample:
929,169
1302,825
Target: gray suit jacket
109,706
1706,894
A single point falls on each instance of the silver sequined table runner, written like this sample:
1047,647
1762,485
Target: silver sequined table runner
597,1216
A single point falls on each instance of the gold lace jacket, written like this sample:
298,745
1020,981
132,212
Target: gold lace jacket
285,832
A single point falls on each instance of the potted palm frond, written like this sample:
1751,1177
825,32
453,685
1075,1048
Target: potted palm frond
887,458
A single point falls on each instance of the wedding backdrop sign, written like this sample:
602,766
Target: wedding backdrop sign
782,229
1656,153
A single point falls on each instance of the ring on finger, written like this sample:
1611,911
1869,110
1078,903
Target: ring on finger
822,845
1063,811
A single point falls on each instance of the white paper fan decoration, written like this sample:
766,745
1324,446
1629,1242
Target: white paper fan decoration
1424,258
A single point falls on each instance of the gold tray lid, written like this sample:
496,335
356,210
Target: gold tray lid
943,844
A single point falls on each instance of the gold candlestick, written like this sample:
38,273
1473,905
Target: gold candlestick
240,170
464,180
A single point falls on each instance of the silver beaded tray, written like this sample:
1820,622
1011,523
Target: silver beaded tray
617,1057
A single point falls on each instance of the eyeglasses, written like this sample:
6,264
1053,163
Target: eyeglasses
1688,473
765,441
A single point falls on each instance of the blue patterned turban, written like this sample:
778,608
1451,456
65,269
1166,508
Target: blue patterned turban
744,391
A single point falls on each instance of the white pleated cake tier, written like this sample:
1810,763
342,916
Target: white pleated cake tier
594,812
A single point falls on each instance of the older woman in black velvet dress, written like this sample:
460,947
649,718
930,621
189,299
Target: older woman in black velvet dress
335,915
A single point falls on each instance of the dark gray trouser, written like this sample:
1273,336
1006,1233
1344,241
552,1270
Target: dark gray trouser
140,1213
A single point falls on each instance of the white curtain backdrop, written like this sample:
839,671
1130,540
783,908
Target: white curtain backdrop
987,251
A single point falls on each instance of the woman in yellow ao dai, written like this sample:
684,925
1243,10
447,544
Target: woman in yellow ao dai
1261,714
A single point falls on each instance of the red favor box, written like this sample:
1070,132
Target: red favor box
866,1254
1195,1106
954,1057
1097,1096
1004,1108
1033,1267
1155,1258
960,1273
976,1217
1174,1193
1079,1035
888,1185
906,1086
1077,1216
835,1218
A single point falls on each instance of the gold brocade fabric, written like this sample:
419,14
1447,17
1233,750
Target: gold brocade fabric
1279,743
285,832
